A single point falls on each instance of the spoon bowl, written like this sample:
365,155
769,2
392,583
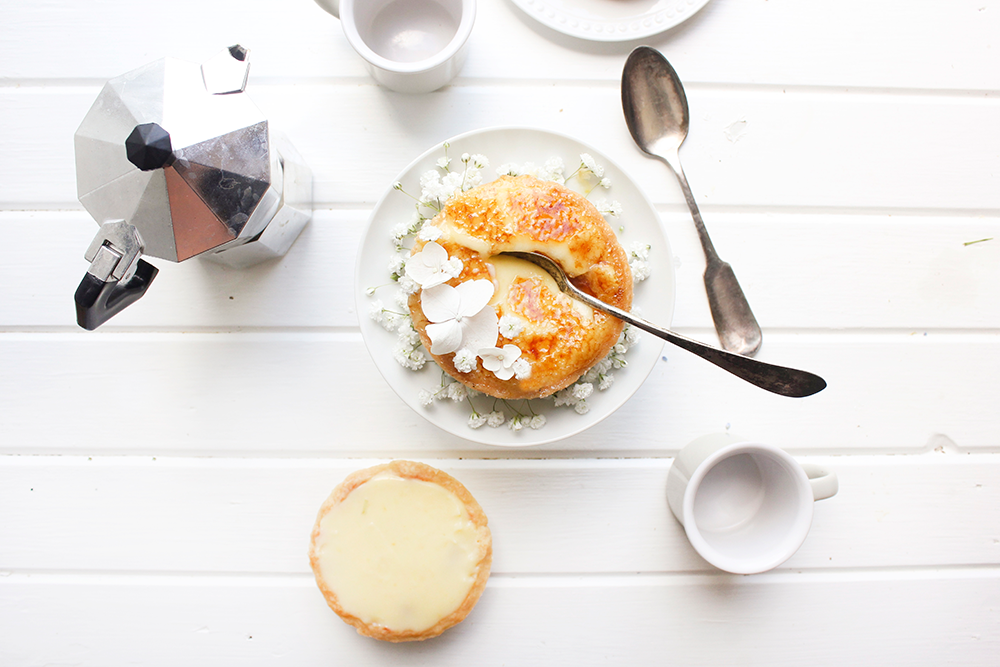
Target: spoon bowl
656,112
776,379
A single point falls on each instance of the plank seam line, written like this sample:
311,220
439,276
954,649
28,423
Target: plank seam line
900,215
514,580
916,335
486,462
56,85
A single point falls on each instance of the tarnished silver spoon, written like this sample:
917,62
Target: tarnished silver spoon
777,379
656,112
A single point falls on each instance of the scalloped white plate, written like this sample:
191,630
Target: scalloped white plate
610,20
638,222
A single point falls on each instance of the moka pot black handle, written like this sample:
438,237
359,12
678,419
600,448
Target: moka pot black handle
97,301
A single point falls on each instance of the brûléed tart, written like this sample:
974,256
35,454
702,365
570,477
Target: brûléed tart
556,338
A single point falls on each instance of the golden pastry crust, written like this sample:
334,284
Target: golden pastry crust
484,543
561,338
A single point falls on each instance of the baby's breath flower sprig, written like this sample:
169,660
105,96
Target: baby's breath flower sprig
396,267
587,166
590,172
534,420
403,230
399,186
519,419
472,174
638,261
390,320
496,419
413,360
408,352
444,162
448,389
609,207
475,419
575,396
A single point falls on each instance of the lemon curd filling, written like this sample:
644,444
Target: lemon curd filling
400,553
508,269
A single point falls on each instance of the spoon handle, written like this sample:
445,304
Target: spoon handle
735,323
674,162
776,379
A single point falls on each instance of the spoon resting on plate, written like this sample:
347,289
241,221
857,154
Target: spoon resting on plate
656,112
776,379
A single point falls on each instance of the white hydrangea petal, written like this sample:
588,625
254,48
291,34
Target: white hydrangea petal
425,267
480,330
500,361
474,295
440,303
418,270
504,373
510,355
433,254
491,358
445,337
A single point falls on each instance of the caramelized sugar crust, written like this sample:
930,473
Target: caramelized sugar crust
561,338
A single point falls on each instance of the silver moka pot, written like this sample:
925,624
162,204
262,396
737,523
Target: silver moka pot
173,160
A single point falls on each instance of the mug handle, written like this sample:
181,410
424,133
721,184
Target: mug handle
824,482
332,6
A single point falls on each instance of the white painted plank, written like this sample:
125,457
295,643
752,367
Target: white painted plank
799,270
139,514
782,42
910,618
803,149
296,394
158,479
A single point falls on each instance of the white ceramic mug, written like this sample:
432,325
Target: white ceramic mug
746,507
411,46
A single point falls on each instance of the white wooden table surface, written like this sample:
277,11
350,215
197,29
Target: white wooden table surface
159,477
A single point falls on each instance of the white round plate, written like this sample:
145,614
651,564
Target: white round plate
654,297
610,20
